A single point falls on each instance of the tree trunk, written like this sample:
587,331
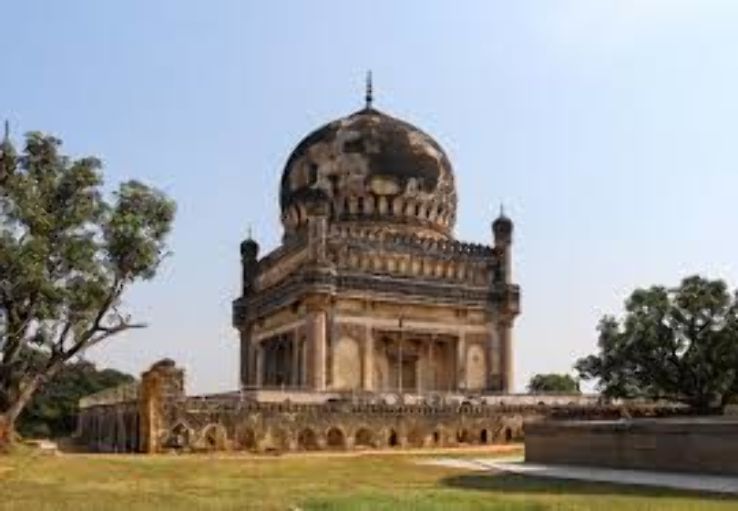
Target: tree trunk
10,416
6,433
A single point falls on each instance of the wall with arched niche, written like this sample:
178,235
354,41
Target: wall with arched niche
476,367
346,364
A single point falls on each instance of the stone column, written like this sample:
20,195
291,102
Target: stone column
318,343
461,362
259,379
368,382
245,356
431,367
295,366
504,332
493,356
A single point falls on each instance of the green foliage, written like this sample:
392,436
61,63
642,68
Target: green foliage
66,256
52,410
553,383
678,344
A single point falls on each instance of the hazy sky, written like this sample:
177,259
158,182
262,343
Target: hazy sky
608,128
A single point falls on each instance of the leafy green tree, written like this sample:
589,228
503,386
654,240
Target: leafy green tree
553,383
66,257
677,344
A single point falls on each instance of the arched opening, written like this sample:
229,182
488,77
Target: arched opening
278,440
307,440
508,436
462,436
364,438
392,438
213,438
415,438
483,436
335,439
436,437
247,439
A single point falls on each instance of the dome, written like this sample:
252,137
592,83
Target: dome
370,168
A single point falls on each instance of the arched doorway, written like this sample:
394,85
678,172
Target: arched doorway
247,439
363,438
415,438
335,439
307,440
279,441
483,436
392,440
214,438
436,437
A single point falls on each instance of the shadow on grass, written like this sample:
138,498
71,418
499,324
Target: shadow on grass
515,483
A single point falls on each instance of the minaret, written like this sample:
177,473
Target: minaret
249,258
502,231
249,255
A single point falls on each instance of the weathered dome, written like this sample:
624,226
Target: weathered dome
372,168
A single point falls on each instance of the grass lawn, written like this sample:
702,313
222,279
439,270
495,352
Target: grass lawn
319,482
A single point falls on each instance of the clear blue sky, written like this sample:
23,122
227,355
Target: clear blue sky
608,128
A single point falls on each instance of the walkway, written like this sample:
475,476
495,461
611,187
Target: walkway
697,482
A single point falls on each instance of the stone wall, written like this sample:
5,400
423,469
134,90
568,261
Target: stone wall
701,445
155,416
260,427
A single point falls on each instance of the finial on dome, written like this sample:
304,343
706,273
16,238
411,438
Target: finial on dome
502,209
250,233
6,133
369,97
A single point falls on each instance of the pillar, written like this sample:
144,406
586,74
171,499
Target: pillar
494,380
461,362
295,366
506,355
246,356
318,342
368,382
259,377
431,378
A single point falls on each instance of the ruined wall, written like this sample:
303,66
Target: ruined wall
212,425
155,416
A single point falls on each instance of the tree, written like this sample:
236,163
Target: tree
66,257
553,383
53,409
677,344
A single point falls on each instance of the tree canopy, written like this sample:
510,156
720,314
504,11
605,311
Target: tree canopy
679,344
553,383
66,257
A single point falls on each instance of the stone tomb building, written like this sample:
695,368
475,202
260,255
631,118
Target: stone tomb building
369,326
369,290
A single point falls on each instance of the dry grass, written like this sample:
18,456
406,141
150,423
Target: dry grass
320,482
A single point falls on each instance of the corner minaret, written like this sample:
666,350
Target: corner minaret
508,297
502,232
249,260
249,256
